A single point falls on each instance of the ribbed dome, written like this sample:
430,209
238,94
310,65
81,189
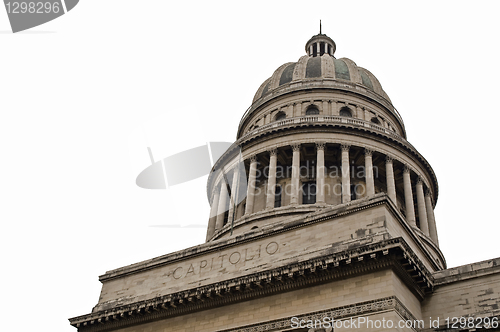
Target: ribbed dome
315,66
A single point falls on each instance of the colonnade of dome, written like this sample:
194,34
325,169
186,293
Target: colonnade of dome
319,174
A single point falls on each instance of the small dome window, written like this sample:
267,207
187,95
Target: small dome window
312,111
345,111
280,116
375,120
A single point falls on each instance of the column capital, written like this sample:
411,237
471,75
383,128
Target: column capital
406,168
345,147
253,158
295,146
273,151
320,145
368,152
420,181
388,159
427,192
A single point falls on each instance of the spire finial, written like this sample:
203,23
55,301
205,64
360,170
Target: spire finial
320,27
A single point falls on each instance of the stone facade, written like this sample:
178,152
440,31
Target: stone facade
322,219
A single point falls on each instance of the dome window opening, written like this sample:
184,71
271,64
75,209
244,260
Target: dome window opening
280,116
321,48
354,195
309,192
375,120
345,111
312,111
277,196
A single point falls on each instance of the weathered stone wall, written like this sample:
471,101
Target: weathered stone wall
470,290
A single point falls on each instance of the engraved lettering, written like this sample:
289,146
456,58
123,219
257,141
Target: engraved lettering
222,260
190,270
232,260
173,274
272,247
248,259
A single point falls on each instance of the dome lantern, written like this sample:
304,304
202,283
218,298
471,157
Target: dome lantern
320,44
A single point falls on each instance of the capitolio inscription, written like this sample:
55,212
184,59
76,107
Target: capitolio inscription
222,260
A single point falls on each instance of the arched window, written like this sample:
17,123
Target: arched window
375,120
345,111
312,111
280,116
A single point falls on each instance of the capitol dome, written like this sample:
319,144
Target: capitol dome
320,136
320,64
320,72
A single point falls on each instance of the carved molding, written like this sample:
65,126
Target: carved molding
406,168
338,313
320,145
345,147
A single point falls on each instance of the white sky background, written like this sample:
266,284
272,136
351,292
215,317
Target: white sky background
80,105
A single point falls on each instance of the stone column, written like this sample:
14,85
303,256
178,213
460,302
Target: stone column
221,211
346,176
271,181
389,174
213,213
410,209
422,213
317,49
320,172
370,183
251,185
430,217
234,192
295,174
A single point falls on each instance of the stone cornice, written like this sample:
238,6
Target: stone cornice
466,272
391,253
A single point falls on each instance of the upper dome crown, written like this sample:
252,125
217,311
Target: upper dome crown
320,64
